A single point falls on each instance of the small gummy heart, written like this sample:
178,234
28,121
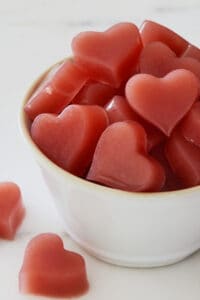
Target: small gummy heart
94,92
11,209
163,101
50,270
190,126
118,110
111,56
70,138
184,158
158,59
172,182
57,90
151,31
121,160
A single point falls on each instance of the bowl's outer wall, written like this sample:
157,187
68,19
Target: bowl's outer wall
131,231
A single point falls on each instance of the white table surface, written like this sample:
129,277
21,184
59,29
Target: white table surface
34,35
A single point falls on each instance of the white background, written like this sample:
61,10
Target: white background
34,35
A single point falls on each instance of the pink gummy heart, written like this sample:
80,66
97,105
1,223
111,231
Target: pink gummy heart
151,31
190,126
57,90
94,92
70,138
163,101
184,159
121,160
172,182
111,56
50,270
11,209
118,110
158,59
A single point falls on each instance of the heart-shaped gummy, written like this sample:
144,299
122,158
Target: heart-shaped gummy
57,90
69,139
94,92
121,160
163,101
111,56
50,270
190,126
158,59
152,31
11,209
184,159
118,110
172,182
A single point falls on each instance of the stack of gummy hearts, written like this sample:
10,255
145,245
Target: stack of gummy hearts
124,111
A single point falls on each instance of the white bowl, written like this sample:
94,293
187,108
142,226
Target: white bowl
123,228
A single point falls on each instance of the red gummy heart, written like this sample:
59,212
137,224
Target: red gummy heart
163,101
58,90
11,209
172,182
111,56
192,51
158,59
118,110
190,126
50,270
152,31
184,159
121,160
69,139
95,92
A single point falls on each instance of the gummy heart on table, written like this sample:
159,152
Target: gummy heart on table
158,59
94,92
184,159
190,126
163,101
70,138
110,56
192,51
118,110
11,209
58,90
121,160
152,31
50,270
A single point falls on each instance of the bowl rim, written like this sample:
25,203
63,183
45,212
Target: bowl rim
23,124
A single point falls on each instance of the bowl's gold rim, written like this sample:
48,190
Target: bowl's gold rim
23,120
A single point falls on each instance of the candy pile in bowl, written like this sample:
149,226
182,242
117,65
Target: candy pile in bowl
124,110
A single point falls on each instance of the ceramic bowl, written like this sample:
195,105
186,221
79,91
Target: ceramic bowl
123,228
